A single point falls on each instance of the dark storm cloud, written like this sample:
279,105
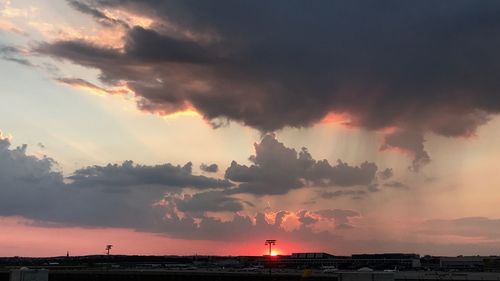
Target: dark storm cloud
209,168
156,199
417,66
210,201
82,52
150,46
29,187
277,169
411,141
124,195
129,174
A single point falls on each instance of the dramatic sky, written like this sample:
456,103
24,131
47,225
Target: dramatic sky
206,127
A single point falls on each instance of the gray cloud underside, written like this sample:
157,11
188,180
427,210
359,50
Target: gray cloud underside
277,169
108,196
209,168
420,67
129,174
151,198
29,187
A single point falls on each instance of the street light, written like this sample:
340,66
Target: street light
271,243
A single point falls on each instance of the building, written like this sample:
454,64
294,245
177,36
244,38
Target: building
354,262
462,262
25,274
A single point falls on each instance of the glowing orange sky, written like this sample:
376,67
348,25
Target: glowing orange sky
21,238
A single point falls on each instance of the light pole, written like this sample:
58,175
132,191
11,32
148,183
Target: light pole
271,243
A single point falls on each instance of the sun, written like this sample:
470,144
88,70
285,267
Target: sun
274,253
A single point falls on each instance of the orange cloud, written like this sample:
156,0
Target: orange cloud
129,18
9,26
105,37
338,118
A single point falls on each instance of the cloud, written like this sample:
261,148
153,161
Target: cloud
19,55
170,200
199,203
280,216
241,228
14,54
123,195
408,141
30,188
396,184
305,218
97,14
340,217
355,194
419,68
166,199
9,26
385,174
86,85
478,227
129,174
277,169
209,168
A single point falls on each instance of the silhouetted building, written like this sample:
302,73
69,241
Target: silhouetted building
462,262
354,262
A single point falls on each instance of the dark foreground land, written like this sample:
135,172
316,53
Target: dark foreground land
165,275
298,266
169,276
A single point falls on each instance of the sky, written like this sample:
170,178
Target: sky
188,127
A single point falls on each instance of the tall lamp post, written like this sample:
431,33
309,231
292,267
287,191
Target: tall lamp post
271,243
